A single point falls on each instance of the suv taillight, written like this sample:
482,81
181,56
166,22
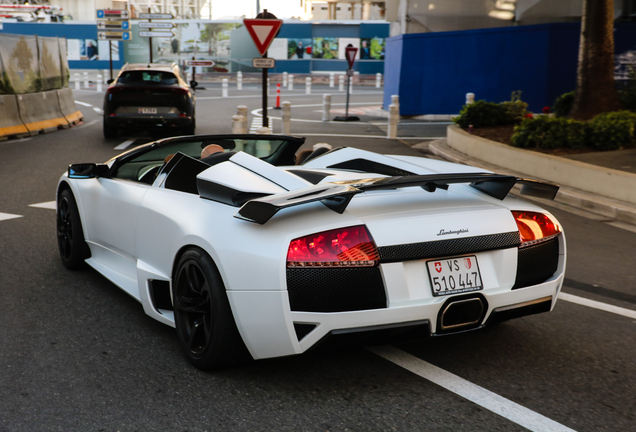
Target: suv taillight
535,227
344,247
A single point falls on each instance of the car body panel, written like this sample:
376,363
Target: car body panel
136,233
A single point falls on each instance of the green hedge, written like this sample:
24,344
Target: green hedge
608,131
483,114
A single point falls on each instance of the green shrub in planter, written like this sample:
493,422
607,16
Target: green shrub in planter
483,114
563,104
613,130
549,133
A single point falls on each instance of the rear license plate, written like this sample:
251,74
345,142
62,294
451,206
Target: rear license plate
454,275
147,110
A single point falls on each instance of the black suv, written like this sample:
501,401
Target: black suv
149,96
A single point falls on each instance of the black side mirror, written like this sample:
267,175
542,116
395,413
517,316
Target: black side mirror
87,170
193,84
110,81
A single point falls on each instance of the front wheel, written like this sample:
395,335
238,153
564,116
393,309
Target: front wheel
70,235
203,318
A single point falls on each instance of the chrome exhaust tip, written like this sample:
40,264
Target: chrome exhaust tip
462,313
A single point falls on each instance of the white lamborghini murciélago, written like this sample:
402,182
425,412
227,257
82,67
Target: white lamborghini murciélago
248,254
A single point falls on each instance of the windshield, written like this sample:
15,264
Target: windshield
147,78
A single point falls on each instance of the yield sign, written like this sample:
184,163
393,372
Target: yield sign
351,52
262,31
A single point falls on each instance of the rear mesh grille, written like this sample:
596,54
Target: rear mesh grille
335,290
537,263
442,248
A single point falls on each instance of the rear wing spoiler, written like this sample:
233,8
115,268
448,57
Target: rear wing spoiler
337,195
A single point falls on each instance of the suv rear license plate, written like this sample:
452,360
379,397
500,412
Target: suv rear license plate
454,275
147,110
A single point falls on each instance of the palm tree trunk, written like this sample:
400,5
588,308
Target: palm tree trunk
595,88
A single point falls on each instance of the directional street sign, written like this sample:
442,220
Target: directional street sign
113,25
113,36
156,34
262,31
207,63
155,16
263,63
112,14
161,25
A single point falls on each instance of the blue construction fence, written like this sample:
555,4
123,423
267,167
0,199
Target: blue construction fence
432,72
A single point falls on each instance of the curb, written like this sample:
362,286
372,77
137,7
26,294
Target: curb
604,206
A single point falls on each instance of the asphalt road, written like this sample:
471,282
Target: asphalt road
78,354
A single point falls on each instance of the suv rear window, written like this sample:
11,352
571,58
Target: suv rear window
147,78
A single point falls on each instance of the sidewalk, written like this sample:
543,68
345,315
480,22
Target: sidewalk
620,212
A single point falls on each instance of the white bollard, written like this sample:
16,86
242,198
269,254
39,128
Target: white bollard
77,81
86,84
470,98
326,107
99,83
241,110
308,85
394,115
237,124
395,100
378,80
284,79
286,118
189,77
267,86
332,77
341,83
290,83
264,131
224,85
239,80
351,85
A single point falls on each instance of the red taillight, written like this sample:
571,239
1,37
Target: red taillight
180,91
535,227
113,90
345,247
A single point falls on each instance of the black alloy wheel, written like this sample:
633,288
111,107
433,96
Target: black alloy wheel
70,236
203,318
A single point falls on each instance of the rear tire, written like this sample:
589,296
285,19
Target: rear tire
204,322
70,235
190,130
110,132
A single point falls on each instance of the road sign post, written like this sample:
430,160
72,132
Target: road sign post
150,25
350,53
263,30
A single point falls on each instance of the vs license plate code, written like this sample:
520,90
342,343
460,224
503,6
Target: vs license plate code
454,275
147,110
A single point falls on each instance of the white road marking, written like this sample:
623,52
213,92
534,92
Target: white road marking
497,404
7,216
124,145
98,110
597,305
365,136
51,205
83,104
91,123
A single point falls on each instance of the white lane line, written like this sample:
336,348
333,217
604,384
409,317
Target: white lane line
83,104
497,404
98,110
51,205
597,305
365,136
124,145
7,216
91,123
